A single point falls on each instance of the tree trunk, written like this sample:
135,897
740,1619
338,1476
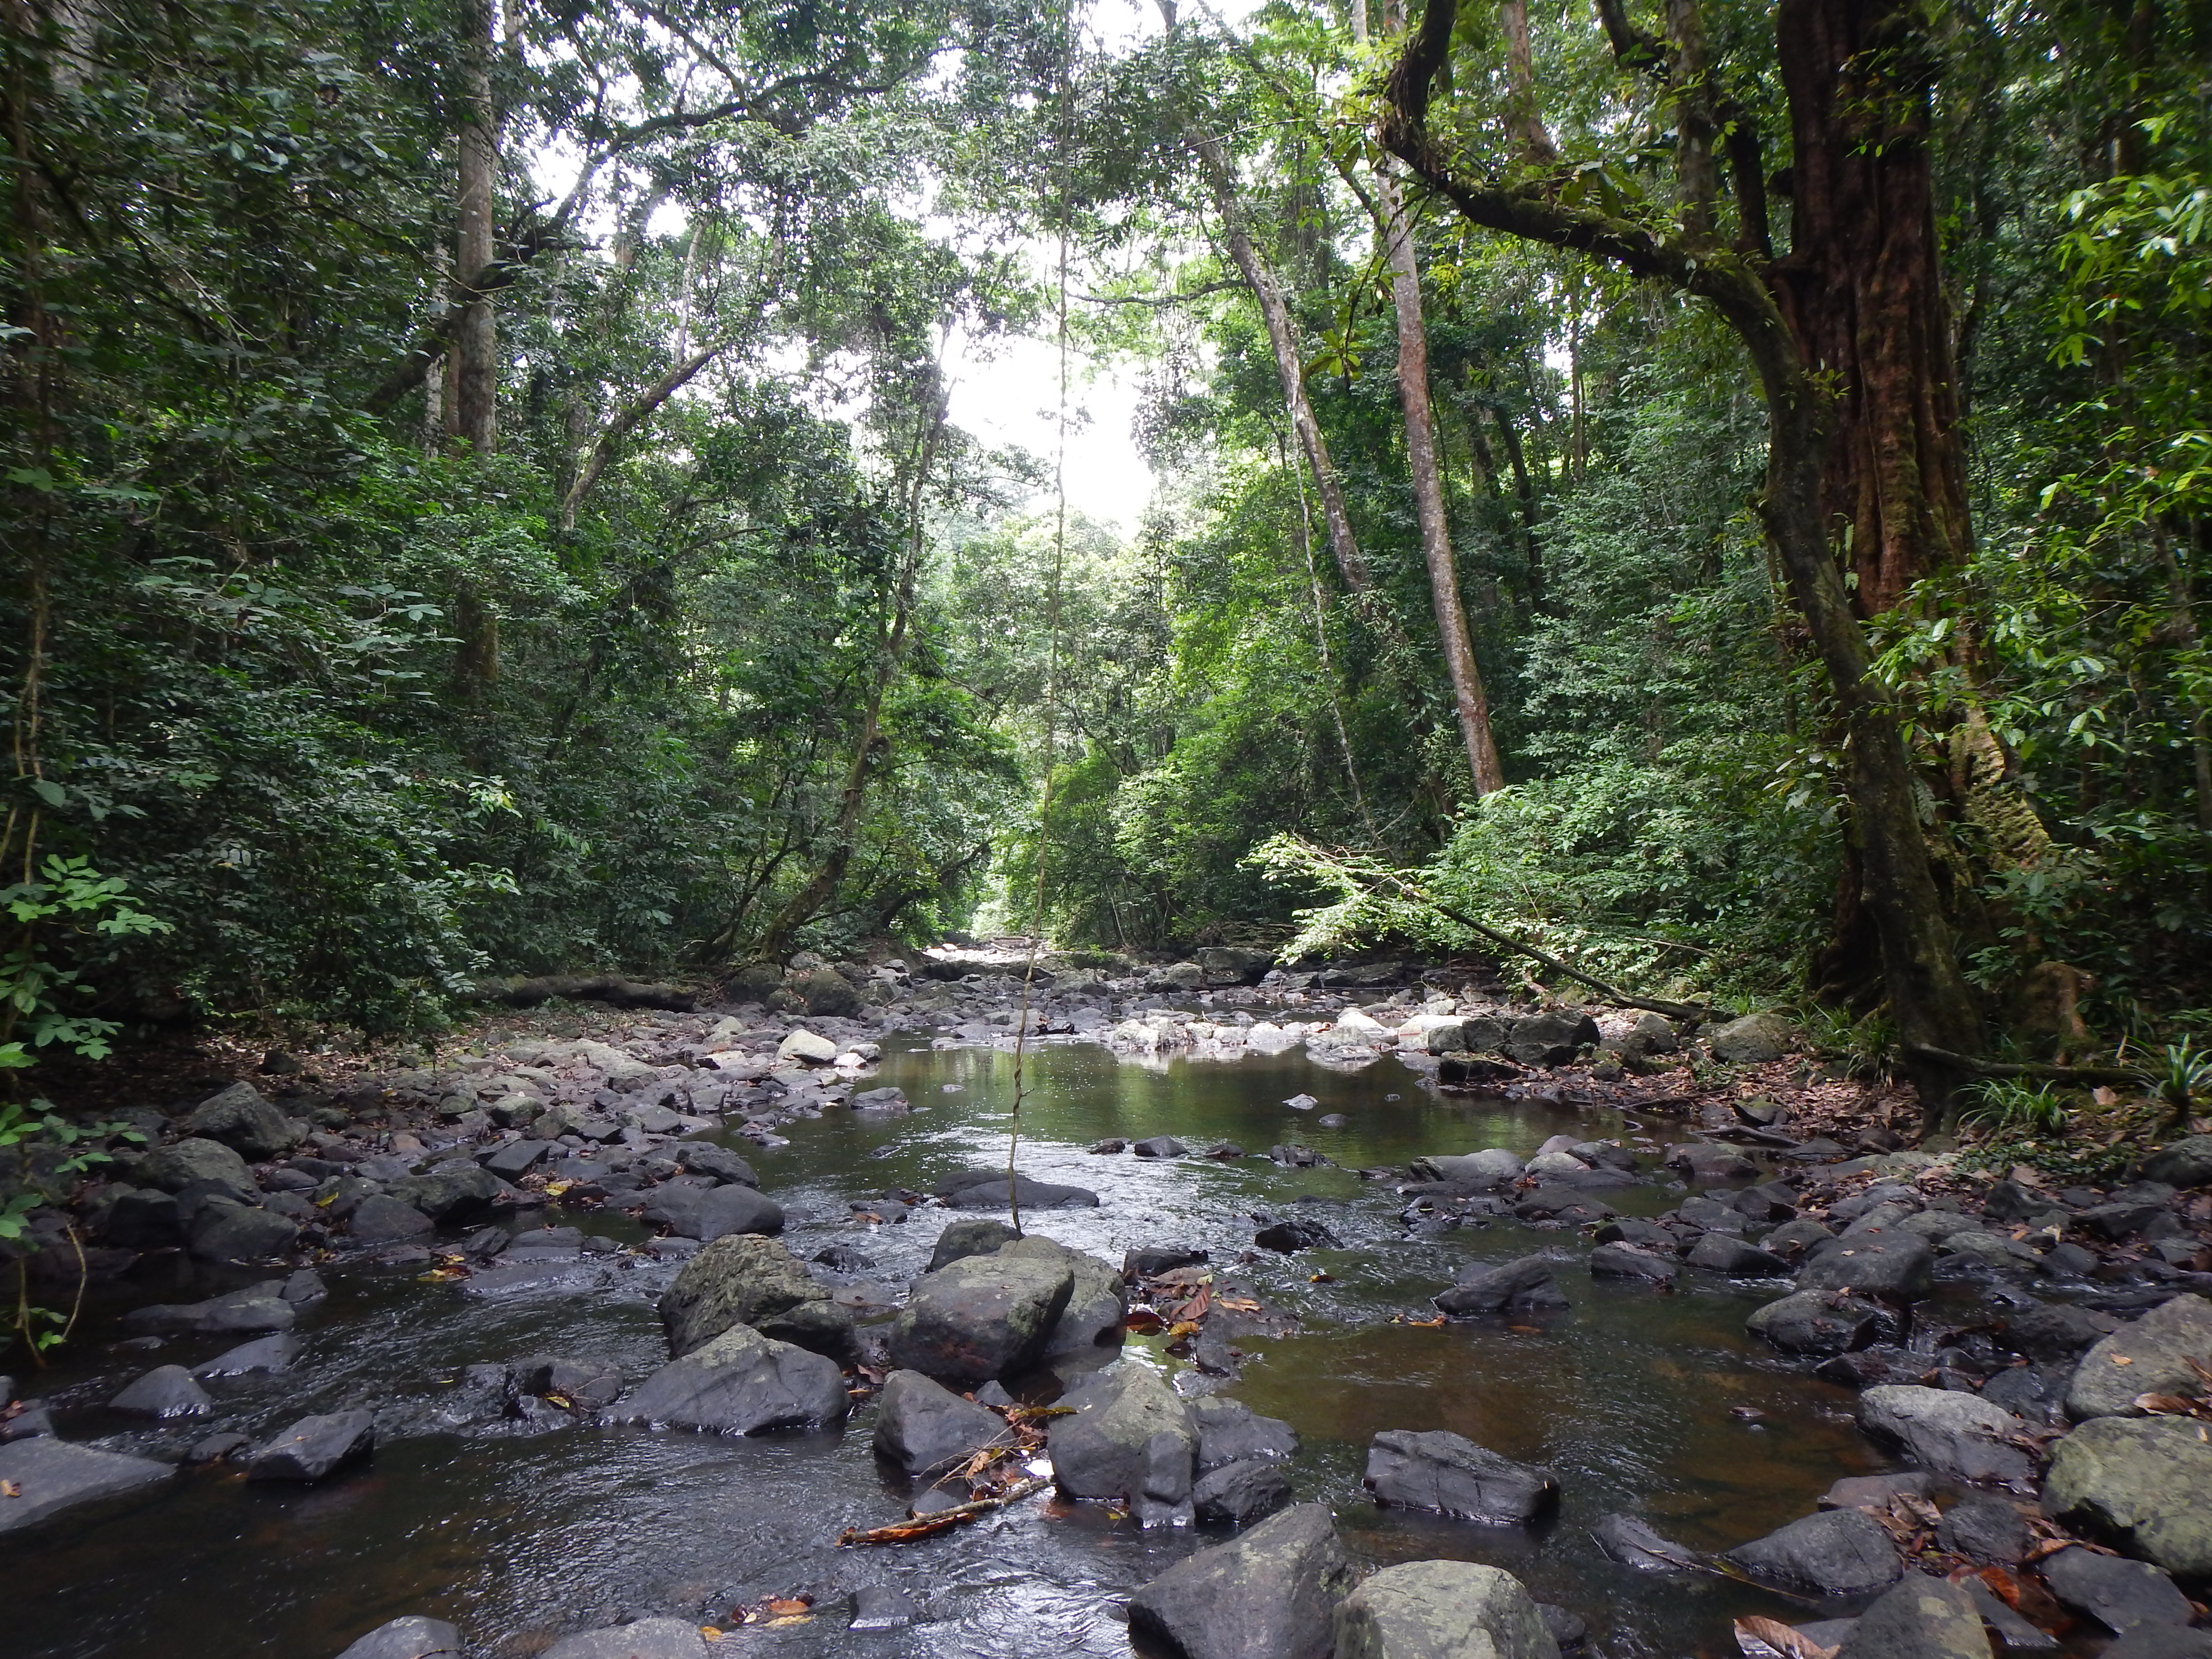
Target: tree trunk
1468,699
472,406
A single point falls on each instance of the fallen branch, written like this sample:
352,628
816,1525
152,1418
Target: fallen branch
928,1526
1612,993
2026,1068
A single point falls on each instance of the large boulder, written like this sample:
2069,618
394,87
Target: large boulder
2151,1356
826,993
256,1308
648,1639
237,1234
1524,1285
2184,1162
1097,1300
1819,1323
1271,1594
967,1237
987,1190
241,1120
2120,1594
380,1218
1631,1261
1923,1618
1131,1440
2143,1484
740,1383
714,1213
926,1429
1230,1431
47,1475
173,1168
455,1191
1237,1494
1441,1610
1948,1433
1438,1470
1720,1253
742,1278
314,1447
1473,1172
1225,964
983,1316
1548,1039
705,1158
411,1637
1754,1040
1895,1266
1835,1552
165,1391
137,1219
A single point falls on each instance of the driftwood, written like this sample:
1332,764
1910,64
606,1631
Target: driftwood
927,1526
2027,1068
621,993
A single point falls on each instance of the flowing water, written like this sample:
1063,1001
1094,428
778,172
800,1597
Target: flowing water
518,1537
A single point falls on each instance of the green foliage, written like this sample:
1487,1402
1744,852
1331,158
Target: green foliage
2182,1078
2010,1108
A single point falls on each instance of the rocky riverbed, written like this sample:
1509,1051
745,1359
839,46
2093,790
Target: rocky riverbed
1359,1310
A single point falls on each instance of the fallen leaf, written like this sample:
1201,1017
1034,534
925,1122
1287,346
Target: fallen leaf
709,1633
2167,1404
1761,1637
2121,1360
9,1489
1321,1278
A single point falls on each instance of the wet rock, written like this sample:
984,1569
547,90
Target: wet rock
1131,1439
1951,1434
1230,1431
1294,1234
1441,1610
1816,1323
2184,1162
1705,1161
1567,1629
716,1213
1270,1594
50,1475
1514,1286
2159,1642
1629,1261
138,1218
741,1383
172,1169
1754,1040
380,1218
1097,1300
2051,1330
27,1425
705,1158
586,1385
456,1191
1226,964
982,1316
218,1448
266,1353
2118,1594
883,1607
243,1120
844,1258
1159,1146
315,1447
1438,1470
2151,1356
743,1278
1896,1267
1154,1260
1985,1529
1834,1552
257,1308
233,1233
2143,1484
1109,1146
1634,1543
1548,1039
2014,1634
1475,1172
1237,1494
804,1046
927,1429
1718,1253
961,1239
986,1189
517,1159
165,1391
412,1637
1923,1618
648,1639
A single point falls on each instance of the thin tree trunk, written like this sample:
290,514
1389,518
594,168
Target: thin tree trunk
472,414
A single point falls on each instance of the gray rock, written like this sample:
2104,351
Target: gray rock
257,1308
990,1194
1438,1470
1131,1439
2184,1162
1896,1267
1704,1161
1226,964
1818,1323
1635,1543
1158,1146
648,1639
412,1637
2156,1349
2014,1633
1793,1238
1857,1492
1271,1594
741,1383
517,1159
2159,1642
1754,1040
241,1120
314,1447
1719,1253
1957,1435
1237,1494
1834,1552
588,1385
1629,1261
233,1233
1481,1171
1097,1300
1230,1431
138,1218
1511,1287
2118,1594
1923,1618
926,1429
265,1353
705,1158
966,1239
883,1607
455,1191
165,1391
982,1316
716,1212
51,1475
1985,1529
2051,1330
1441,1610
1548,1039
2143,1484
172,1169
743,1278
380,1218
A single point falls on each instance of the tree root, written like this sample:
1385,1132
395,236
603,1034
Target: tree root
927,1526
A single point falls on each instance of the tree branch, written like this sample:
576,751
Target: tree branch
623,424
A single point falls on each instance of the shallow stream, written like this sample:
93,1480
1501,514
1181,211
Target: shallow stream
1629,1397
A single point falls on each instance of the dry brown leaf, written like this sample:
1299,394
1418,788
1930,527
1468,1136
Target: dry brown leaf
1759,1637
9,1489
